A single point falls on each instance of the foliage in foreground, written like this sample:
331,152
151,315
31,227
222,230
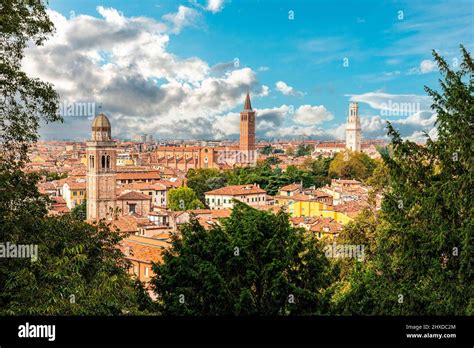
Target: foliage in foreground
423,241
255,264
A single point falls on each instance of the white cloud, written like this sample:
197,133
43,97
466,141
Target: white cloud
293,132
394,104
183,18
308,115
282,87
111,15
215,5
426,66
123,63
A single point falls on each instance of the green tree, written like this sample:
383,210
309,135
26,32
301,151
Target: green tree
78,271
304,150
380,178
351,165
267,150
272,160
183,198
79,212
77,268
254,264
423,259
203,180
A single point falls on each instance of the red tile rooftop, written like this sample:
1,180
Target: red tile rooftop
291,187
133,196
237,190
336,145
141,252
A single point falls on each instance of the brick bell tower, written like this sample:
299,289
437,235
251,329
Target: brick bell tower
101,171
247,133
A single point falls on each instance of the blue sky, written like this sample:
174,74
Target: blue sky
169,67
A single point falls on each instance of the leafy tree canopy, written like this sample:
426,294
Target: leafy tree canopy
255,264
183,198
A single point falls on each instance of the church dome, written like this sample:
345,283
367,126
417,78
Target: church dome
101,121
101,128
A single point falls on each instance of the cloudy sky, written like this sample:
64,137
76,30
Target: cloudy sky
180,69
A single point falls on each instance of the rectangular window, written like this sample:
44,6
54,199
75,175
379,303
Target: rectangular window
146,272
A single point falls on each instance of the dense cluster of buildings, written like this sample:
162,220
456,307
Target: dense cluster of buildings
128,184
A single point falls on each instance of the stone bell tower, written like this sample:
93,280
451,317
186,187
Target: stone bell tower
353,129
101,171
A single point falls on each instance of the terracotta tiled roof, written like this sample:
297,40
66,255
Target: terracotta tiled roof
220,213
317,193
76,185
351,209
345,181
200,211
236,190
334,145
58,200
326,225
126,223
170,184
317,224
291,187
134,196
141,252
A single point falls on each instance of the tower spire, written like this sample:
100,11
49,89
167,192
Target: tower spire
247,104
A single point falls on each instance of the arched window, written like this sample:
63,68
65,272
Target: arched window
91,161
108,162
103,162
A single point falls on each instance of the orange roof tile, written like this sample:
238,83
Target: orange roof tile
291,187
237,190
133,196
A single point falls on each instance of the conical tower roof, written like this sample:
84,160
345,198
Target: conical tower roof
247,104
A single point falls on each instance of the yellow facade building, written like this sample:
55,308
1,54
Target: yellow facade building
316,209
